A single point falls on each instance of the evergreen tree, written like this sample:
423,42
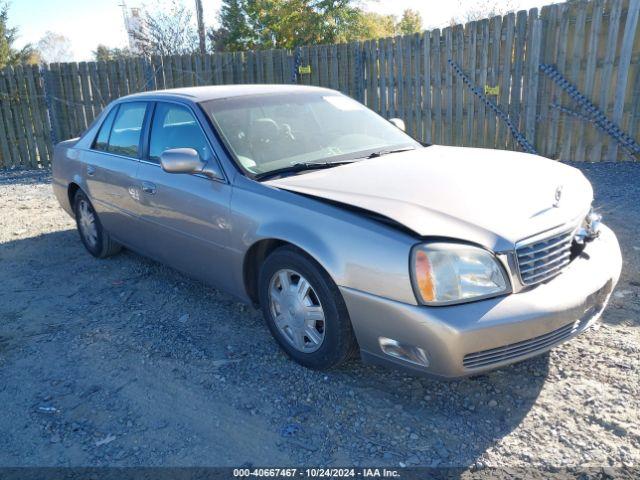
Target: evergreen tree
10,55
234,33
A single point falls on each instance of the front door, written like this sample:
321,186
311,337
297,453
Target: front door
185,217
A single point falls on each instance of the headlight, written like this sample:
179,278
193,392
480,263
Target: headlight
446,273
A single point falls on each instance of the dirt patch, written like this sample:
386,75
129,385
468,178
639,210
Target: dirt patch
127,362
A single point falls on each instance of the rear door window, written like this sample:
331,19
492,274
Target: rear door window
127,129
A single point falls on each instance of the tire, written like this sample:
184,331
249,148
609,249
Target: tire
338,342
97,242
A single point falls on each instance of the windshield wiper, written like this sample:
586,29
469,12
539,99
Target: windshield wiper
380,153
300,167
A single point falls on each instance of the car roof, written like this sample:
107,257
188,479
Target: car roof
215,92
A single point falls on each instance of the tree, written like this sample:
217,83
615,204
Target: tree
201,32
104,53
246,24
32,58
55,47
256,24
374,25
235,33
9,54
166,31
411,22
336,20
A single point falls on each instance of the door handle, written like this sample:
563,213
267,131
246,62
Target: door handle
149,188
91,170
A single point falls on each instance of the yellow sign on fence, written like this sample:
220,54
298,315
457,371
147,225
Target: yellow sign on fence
489,90
304,70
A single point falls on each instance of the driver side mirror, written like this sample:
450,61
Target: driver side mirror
187,160
399,123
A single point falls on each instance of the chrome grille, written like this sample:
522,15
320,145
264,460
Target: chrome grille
542,259
515,350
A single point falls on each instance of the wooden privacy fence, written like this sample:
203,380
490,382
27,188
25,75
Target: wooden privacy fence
470,85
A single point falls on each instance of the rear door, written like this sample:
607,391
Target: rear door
111,166
185,217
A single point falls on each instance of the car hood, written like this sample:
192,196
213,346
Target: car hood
490,197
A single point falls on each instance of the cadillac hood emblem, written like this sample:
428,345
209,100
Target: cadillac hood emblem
557,196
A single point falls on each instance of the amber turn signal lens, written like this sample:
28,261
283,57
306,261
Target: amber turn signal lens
424,277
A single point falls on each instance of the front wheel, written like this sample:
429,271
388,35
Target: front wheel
94,237
305,310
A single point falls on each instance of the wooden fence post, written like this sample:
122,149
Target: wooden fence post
531,79
358,71
51,107
623,71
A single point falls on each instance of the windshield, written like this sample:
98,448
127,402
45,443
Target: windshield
274,131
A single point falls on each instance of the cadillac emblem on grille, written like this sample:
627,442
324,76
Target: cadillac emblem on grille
557,196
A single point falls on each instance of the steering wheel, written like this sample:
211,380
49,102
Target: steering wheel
287,131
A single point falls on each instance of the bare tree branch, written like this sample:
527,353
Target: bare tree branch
166,31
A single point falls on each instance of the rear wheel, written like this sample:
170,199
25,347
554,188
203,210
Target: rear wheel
94,237
304,310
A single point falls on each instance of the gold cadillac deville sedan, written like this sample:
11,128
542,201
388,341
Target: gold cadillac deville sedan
348,234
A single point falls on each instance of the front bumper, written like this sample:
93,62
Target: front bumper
471,338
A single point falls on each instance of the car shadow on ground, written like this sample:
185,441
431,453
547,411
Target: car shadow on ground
132,330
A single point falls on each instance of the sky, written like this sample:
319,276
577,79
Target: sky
87,23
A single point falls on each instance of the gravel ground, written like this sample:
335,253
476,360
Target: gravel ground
126,362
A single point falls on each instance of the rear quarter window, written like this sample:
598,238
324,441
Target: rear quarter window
102,139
